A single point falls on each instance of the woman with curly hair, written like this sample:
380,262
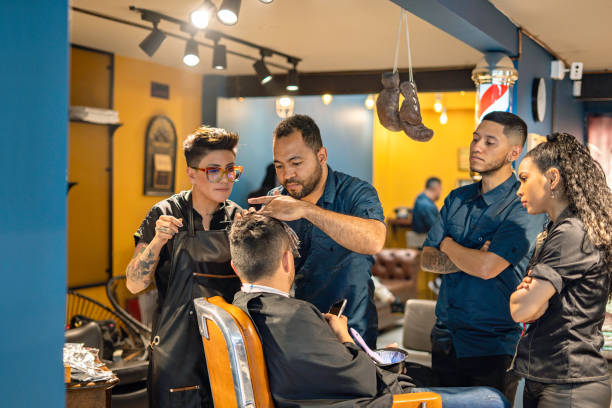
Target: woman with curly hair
563,299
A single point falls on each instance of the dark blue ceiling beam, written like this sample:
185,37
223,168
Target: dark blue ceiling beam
475,22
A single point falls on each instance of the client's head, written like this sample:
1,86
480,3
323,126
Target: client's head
262,250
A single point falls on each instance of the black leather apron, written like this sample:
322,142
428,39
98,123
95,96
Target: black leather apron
200,266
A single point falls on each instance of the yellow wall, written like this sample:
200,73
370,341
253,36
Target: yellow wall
402,165
88,160
136,107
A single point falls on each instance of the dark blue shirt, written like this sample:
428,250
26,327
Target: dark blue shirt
326,271
474,312
424,214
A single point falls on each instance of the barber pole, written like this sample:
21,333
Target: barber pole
494,77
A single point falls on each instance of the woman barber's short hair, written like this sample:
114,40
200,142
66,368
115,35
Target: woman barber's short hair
205,139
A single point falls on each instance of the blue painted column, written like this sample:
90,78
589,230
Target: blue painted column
33,143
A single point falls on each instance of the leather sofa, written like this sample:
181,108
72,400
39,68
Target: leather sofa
397,269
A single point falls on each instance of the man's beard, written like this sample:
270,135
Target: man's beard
491,168
308,185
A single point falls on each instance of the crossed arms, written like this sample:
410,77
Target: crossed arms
453,257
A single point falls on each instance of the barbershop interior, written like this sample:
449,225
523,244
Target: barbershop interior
274,203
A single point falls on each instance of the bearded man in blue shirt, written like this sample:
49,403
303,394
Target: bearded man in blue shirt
481,247
338,219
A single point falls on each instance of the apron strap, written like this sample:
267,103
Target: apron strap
190,215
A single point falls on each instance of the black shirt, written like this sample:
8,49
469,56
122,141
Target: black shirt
563,345
178,206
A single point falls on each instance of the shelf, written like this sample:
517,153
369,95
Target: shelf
96,123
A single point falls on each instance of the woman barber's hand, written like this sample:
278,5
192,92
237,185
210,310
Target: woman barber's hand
165,228
339,326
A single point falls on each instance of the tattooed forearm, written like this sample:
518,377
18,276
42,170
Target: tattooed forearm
436,261
139,271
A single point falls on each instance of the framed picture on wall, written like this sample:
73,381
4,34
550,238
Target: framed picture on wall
160,156
463,158
464,182
534,139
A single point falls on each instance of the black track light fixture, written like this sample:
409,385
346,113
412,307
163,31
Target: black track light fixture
152,41
293,80
228,12
219,57
191,57
201,16
263,74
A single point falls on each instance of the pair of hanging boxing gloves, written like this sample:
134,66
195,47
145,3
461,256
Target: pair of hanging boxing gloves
408,117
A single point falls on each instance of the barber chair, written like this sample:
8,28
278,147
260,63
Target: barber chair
236,364
419,319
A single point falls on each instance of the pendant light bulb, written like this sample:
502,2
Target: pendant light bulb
438,103
326,98
443,117
370,102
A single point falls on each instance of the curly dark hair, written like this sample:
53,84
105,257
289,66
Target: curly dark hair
584,183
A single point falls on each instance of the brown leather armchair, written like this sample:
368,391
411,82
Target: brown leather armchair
236,364
397,269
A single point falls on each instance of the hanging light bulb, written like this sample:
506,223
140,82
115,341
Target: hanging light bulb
438,104
370,102
326,98
284,106
201,16
443,117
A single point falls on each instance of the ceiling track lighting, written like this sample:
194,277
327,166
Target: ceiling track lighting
200,17
191,58
152,41
229,11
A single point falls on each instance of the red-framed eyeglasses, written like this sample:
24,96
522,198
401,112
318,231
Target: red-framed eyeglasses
215,174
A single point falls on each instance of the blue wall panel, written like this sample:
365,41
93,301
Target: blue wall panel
345,124
569,114
534,63
34,128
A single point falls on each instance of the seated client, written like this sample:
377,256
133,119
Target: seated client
311,358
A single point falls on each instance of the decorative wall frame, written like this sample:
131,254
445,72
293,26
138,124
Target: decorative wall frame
463,158
534,139
160,156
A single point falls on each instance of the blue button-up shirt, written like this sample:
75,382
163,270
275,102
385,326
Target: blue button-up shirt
327,272
424,214
474,312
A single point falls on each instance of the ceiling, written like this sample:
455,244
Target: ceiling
343,35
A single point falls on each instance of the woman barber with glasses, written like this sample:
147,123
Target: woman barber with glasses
183,245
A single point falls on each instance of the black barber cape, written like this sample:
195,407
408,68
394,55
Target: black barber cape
307,365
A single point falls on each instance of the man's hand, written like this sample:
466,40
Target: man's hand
241,214
339,326
165,228
281,207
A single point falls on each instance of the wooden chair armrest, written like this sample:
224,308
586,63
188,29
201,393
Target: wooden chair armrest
417,400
